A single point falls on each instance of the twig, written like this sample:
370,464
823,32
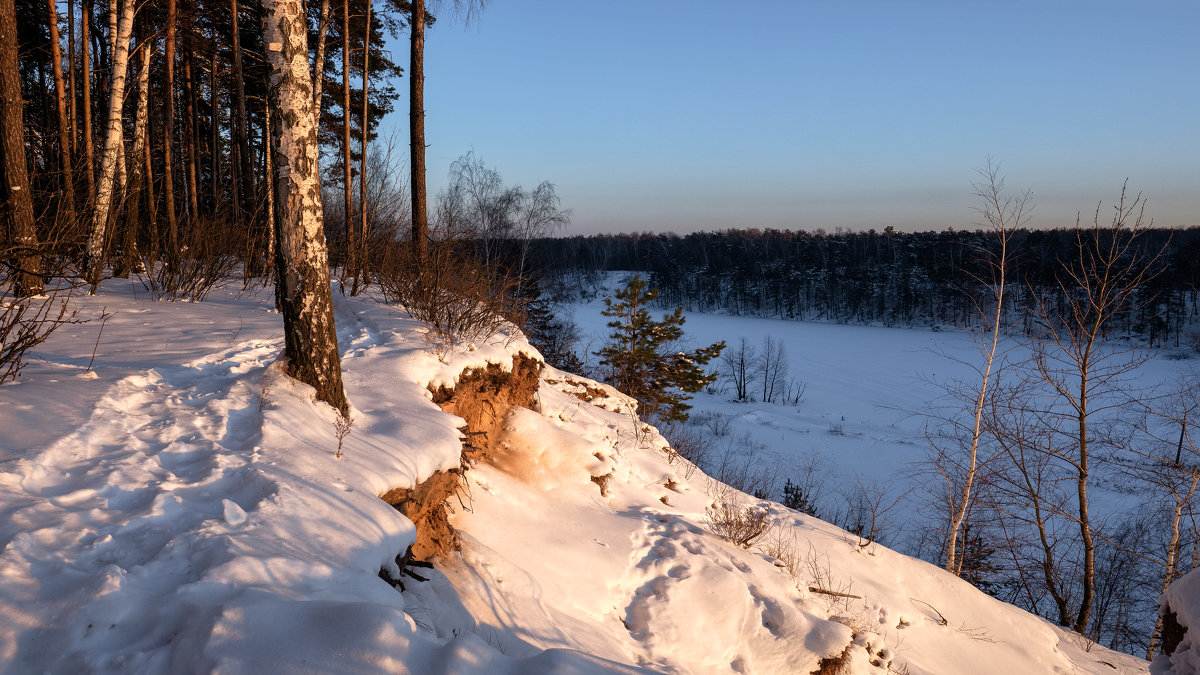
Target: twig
104,317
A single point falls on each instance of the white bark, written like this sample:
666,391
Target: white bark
301,262
112,144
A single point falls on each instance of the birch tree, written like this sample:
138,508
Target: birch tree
1081,368
113,151
1002,214
301,261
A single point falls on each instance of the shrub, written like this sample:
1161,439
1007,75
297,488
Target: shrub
741,525
458,298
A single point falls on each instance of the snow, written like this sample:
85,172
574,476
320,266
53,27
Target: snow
1183,598
179,508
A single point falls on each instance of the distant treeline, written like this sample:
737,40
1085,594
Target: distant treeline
887,277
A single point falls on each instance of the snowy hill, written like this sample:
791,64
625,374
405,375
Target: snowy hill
178,507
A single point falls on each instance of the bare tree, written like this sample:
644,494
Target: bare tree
772,369
479,204
1002,213
538,213
113,141
1073,357
738,365
1170,467
301,261
1029,502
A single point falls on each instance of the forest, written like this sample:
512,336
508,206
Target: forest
876,277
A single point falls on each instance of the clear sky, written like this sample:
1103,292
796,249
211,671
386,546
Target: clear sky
666,115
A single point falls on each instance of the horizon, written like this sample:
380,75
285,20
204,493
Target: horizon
820,114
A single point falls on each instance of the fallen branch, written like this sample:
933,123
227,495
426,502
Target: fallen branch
825,591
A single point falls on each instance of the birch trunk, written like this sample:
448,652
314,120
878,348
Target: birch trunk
16,204
94,263
1002,214
319,64
137,180
301,261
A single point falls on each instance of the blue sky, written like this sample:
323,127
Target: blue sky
678,116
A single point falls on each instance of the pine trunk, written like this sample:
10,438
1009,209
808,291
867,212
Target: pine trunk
416,122
214,150
66,206
113,151
347,184
89,169
169,124
190,133
361,253
71,78
301,261
16,203
245,189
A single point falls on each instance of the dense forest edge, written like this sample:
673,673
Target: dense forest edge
883,277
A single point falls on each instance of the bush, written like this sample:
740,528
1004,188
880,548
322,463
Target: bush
458,298
208,254
24,324
741,525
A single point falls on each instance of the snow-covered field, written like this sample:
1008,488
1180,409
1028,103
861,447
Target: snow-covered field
178,508
869,393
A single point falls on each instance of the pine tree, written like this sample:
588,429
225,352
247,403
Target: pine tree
639,356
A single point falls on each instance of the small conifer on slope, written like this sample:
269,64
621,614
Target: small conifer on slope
640,360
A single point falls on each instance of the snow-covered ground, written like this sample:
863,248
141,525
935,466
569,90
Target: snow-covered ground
179,508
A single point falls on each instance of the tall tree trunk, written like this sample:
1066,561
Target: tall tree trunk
269,180
190,131
361,254
214,150
16,202
1085,525
89,170
245,187
416,129
319,64
169,127
139,174
94,262
71,91
301,262
66,206
347,184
